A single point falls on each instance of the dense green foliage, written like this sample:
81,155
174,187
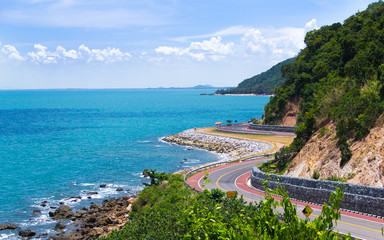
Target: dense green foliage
338,77
155,177
170,210
263,83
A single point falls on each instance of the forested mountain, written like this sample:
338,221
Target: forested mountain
263,83
338,78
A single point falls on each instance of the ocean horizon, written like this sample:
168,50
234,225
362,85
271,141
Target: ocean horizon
58,146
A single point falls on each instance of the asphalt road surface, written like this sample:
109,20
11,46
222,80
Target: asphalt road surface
234,177
243,128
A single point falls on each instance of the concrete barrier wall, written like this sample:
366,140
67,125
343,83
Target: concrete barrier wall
275,128
356,197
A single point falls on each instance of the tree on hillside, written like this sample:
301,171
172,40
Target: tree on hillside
338,77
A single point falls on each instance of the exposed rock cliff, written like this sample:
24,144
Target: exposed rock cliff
322,154
290,114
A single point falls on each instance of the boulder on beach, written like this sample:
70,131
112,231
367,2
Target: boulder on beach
27,233
10,226
63,212
36,211
59,226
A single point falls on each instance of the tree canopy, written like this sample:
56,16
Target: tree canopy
338,77
263,83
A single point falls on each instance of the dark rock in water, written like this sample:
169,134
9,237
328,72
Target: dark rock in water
98,220
27,233
119,189
43,205
10,226
36,211
92,193
146,173
103,185
63,212
44,202
185,159
59,226
89,197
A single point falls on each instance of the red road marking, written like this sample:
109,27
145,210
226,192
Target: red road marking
241,182
193,181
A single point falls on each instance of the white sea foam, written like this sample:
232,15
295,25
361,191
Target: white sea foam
192,161
40,220
8,236
139,174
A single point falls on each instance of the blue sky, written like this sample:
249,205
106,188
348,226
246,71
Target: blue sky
148,43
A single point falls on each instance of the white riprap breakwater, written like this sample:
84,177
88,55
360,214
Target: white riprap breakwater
234,148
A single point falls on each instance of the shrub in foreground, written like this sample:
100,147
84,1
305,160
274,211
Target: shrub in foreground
170,210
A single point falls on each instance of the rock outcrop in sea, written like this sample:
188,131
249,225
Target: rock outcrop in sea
98,220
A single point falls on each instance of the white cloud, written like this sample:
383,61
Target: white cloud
40,55
11,53
167,50
107,55
213,46
271,45
231,31
213,49
72,54
311,25
267,45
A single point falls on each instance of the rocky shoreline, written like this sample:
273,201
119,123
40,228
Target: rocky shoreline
98,220
112,214
87,224
233,148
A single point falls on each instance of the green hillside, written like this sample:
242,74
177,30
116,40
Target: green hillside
263,83
338,77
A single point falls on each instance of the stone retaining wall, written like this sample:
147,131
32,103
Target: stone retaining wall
274,128
360,198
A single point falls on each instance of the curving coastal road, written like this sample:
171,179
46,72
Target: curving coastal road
243,128
234,177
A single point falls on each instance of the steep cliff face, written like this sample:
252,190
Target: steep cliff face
321,153
291,111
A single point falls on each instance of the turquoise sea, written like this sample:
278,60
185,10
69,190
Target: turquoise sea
58,144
